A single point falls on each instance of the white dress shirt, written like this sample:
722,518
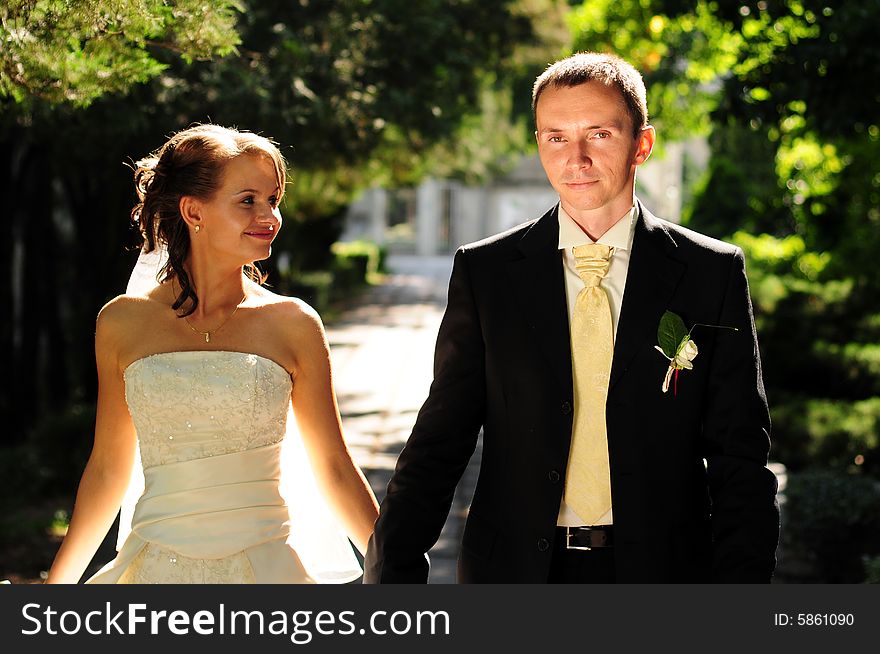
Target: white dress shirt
620,237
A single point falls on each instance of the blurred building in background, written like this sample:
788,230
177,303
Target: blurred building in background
439,215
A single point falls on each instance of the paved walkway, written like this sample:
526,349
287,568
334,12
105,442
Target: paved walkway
382,350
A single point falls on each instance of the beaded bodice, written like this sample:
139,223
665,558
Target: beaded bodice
194,404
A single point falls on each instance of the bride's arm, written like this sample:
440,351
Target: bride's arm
317,415
108,470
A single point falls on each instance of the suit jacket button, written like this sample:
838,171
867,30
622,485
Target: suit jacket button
543,544
566,408
553,476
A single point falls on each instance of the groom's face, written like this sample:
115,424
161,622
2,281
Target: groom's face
588,150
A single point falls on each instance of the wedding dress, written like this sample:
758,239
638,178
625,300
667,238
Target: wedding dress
212,427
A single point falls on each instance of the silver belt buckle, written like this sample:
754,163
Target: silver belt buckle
568,536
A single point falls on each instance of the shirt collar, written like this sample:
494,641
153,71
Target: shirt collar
620,235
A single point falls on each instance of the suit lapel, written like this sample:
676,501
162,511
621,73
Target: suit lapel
539,284
650,283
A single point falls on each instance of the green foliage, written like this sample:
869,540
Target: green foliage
374,254
852,363
378,93
52,458
815,59
77,50
670,333
787,92
836,433
60,522
872,569
355,263
820,366
681,53
349,272
833,520
357,93
352,266
787,256
19,525
314,288
740,189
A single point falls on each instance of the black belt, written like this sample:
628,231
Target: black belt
586,538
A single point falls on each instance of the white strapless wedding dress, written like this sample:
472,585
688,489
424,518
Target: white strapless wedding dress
211,428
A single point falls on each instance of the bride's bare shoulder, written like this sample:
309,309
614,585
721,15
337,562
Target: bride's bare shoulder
292,311
124,309
126,315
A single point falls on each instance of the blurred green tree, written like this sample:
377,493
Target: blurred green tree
77,50
787,93
788,96
357,92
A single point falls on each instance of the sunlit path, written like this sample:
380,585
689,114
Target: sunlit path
382,349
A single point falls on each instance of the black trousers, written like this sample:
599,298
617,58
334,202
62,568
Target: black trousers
595,566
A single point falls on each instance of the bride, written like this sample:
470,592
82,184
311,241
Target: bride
199,377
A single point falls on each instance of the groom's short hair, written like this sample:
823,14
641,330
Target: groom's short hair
586,67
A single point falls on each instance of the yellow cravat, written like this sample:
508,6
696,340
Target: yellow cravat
588,482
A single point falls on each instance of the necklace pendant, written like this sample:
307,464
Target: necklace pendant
207,337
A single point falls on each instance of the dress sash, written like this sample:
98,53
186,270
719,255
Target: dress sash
213,507
220,505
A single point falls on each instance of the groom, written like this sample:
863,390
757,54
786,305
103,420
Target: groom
591,472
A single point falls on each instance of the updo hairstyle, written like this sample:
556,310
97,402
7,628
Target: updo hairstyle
191,163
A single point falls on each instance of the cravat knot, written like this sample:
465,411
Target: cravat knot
592,261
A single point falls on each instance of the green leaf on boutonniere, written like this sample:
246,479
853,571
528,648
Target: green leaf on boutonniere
670,333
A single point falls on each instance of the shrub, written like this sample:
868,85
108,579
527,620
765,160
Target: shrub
349,272
872,569
839,434
311,287
833,520
51,459
369,255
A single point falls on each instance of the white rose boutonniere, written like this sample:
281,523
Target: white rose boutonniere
677,346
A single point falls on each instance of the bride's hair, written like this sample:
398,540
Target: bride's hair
190,164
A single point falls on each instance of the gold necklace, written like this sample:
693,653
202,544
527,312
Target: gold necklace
207,335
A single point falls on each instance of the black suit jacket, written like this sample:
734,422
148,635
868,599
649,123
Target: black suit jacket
692,497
